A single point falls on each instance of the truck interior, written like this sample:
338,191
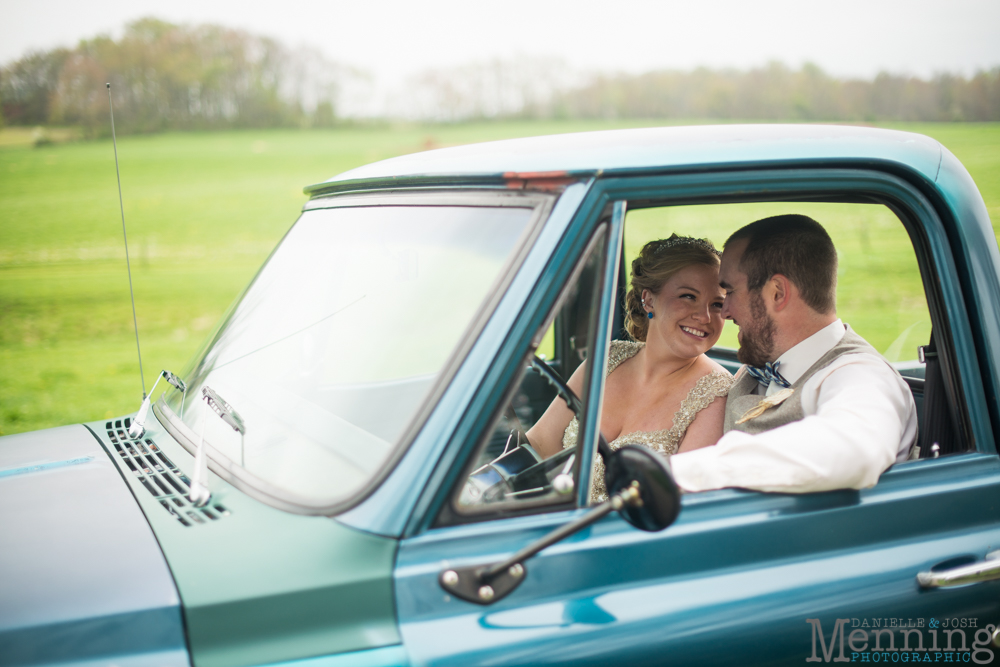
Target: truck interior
882,293
881,290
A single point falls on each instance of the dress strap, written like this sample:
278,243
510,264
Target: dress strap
666,441
703,393
620,351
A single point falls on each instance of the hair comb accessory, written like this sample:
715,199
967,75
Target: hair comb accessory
686,240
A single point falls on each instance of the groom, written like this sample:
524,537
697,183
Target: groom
814,407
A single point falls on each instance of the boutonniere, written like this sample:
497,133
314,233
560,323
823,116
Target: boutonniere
772,401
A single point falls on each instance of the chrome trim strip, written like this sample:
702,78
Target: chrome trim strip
10,472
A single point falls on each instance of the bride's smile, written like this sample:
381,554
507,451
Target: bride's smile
687,313
698,333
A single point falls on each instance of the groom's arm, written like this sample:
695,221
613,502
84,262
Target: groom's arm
858,415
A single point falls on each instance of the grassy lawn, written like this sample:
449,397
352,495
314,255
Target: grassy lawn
203,211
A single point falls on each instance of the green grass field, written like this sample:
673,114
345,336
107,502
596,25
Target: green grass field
879,289
203,211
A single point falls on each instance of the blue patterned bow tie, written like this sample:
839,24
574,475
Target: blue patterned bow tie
768,374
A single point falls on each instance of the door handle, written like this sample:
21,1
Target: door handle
974,573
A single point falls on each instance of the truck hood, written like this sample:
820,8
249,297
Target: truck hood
84,580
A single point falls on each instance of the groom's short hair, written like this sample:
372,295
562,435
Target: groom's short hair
797,247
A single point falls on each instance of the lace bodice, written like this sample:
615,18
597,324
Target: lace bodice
666,441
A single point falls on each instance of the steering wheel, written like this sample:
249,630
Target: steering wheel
568,395
540,474
519,470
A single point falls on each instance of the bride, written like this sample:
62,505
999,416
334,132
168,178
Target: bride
661,390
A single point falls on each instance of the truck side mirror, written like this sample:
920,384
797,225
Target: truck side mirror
659,497
640,488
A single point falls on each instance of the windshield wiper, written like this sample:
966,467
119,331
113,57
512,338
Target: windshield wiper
137,428
200,495
224,410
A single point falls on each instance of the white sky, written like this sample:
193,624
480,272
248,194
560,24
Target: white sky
392,38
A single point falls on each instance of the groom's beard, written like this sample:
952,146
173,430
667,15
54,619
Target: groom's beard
757,335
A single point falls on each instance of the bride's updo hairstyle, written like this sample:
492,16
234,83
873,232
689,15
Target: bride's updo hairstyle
657,262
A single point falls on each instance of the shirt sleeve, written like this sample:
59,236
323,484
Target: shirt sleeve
858,412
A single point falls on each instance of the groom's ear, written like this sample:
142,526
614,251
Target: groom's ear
779,292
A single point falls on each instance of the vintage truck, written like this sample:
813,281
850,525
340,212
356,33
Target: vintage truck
331,482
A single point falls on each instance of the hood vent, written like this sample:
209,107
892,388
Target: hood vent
160,476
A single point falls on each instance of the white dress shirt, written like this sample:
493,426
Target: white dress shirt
859,419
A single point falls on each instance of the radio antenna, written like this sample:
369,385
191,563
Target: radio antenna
128,265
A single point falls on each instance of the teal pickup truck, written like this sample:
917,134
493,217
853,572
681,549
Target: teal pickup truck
332,481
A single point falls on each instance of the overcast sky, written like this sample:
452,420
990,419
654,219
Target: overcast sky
393,38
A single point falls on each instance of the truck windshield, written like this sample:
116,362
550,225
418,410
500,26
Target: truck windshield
336,344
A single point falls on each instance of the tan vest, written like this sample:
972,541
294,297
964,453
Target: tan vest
740,398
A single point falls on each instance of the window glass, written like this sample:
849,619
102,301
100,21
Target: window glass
525,460
331,351
879,290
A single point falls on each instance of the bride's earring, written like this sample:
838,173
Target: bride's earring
649,314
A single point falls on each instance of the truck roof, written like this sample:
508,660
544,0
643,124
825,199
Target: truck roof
656,149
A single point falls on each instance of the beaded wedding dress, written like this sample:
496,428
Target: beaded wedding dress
707,389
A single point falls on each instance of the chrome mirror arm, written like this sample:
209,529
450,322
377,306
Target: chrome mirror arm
485,584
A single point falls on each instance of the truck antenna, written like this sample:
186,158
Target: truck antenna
128,265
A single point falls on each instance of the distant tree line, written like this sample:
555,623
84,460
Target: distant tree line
167,76
776,92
